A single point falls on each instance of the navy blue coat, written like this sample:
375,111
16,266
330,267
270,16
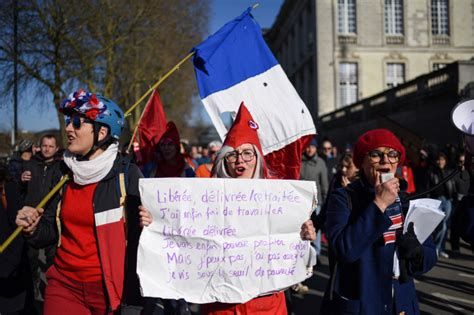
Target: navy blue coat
363,280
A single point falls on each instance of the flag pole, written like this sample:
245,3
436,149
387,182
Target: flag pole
161,80
40,205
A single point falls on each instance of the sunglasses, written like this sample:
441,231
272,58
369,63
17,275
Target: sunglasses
77,121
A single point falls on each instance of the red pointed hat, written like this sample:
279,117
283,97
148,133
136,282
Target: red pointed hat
243,130
171,133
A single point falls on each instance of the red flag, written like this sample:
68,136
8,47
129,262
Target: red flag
286,162
151,127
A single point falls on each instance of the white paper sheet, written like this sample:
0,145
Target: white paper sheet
425,215
223,240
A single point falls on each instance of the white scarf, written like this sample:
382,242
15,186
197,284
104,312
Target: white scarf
92,171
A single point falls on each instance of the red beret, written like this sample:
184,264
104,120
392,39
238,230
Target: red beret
374,139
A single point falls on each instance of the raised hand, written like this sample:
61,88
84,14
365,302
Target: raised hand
386,193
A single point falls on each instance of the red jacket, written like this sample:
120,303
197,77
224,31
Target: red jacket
111,230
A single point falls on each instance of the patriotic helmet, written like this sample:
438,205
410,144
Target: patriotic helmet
96,108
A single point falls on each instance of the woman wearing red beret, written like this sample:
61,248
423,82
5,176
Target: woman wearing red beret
364,228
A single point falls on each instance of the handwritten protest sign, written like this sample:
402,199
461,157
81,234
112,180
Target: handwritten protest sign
223,240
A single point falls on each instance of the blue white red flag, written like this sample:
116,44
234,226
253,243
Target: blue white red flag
235,65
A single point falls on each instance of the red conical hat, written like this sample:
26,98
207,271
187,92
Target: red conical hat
172,134
243,130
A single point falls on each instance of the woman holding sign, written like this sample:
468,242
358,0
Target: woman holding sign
88,273
364,228
241,157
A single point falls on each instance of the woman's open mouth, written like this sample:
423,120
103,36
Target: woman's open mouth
70,139
239,170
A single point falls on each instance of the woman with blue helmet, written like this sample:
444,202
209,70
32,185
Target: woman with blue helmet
89,274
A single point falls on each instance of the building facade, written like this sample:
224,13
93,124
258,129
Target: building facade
337,52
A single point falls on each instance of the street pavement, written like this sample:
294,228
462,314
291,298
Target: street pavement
446,289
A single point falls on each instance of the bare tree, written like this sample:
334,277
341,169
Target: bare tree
116,47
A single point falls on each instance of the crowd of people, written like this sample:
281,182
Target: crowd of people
77,254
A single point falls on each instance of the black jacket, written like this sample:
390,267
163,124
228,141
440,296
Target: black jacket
448,189
44,176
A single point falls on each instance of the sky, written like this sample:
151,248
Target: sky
37,118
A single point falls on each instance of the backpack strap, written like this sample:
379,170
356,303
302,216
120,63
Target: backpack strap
122,185
58,210
123,190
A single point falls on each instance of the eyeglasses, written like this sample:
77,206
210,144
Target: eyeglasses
77,121
327,148
377,156
212,152
247,156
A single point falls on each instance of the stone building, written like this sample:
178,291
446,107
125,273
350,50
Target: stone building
337,52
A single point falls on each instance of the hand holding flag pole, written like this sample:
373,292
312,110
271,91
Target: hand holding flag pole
40,205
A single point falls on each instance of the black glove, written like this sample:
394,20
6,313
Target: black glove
409,248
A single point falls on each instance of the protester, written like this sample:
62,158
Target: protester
463,218
170,162
346,173
314,168
364,225
40,175
204,156
327,154
241,157
461,182
89,271
16,286
186,152
23,152
420,171
204,170
445,193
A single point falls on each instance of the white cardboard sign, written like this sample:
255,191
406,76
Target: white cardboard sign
225,240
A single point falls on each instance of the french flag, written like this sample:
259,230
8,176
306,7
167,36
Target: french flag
235,65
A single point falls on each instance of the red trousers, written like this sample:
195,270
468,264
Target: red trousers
68,296
273,304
